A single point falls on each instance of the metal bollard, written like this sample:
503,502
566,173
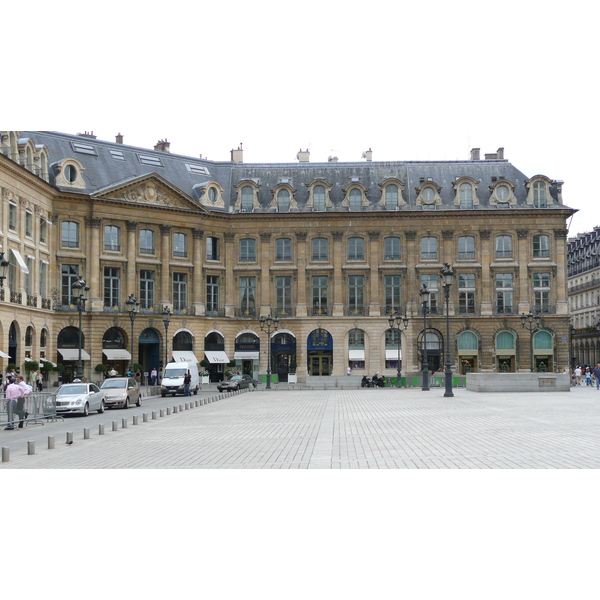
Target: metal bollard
145,417
154,415
124,423
115,425
100,429
136,419
50,442
86,433
69,437
5,454
30,447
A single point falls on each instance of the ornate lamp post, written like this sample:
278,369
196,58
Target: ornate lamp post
166,317
572,361
4,264
269,324
424,293
132,308
527,321
447,277
79,289
401,324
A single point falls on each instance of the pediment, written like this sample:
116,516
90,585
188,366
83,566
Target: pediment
149,190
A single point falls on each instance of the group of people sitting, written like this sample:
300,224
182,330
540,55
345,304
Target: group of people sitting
375,381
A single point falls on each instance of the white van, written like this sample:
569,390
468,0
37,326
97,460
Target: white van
172,381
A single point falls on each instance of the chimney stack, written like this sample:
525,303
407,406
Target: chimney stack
237,156
475,153
501,153
303,155
119,138
368,154
162,145
88,134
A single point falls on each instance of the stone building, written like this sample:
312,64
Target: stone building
330,249
584,296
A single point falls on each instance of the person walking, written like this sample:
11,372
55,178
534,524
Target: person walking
588,377
596,372
348,371
20,410
39,381
153,376
578,374
186,384
11,394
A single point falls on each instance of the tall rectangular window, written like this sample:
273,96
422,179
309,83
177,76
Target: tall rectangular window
466,293
466,247
179,291
28,276
180,249
356,294
212,248
146,288
503,246
356,248
147,242
431,279
212,294
283,295
112,242
504,293
318,198
248,295
12,217
43,230
320,249
70,234
428,248
43,278
112,285
283,249
466,196
393,301
541,246
541,293
247,250
69,275
28,224
392,248
320,295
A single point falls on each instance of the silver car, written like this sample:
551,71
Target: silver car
79,398
237,382
121,391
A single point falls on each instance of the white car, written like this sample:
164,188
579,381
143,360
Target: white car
79,398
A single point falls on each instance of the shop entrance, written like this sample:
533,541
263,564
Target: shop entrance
319,365
468,364
506,364
543,364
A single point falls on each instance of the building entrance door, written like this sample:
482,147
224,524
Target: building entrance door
506,364
320,365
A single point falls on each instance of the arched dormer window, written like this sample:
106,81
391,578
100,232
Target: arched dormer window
318,196
283,198
247,196
465,193
503,195
428,194
391,194
355,197
209,194
69,173
538,191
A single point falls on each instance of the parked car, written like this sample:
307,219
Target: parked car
237,382
79,398
121,391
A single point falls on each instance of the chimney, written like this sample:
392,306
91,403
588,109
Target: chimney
119,138
368,154
162,145
491,156
500,153
237,156
303,155
475,153
332,159
88,134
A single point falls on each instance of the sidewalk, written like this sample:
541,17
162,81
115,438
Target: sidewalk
340,429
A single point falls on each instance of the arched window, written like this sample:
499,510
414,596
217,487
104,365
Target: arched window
247,198
542,340
539,194
355,199
111,238
29,336
466,247
467,340
466,195
319,198
283,201
320,249
391,196
503,246
505,340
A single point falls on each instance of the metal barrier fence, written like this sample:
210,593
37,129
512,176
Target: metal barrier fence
37,408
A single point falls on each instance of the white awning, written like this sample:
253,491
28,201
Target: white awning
216,357
73,354
392,355
246,356
116,354
20,261
184,356
48,361
4,355
356,354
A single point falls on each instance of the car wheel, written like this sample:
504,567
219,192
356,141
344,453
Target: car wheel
126,402
139,402
101,409
86,410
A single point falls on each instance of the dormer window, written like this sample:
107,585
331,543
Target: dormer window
71,173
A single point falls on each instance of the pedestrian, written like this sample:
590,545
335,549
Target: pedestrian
39,381
578,374
153,376
348,371
597,375
588,377
11,395
112,373
186,384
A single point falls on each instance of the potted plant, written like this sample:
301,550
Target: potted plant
59,368
292,377
204,374
30,367
101,368
204,377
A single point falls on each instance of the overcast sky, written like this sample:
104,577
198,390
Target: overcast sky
411,82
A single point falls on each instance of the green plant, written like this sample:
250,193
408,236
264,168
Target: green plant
46,366
204,373
59,367
11,367
101,368
137,367
31,365
205,363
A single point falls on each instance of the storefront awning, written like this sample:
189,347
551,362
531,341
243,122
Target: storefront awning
116,354
216,357
4,355
73,354
246,356
356,354
184,356
48,361
392,355
22,264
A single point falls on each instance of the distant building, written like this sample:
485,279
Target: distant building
332,249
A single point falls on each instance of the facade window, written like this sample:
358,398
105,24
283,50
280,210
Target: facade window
147,241
466,195
212,194
356,341
391,196
356,248
112,238
466,293
12,273
319,198
28,276
283,249
541,246
283,201
69,275
112,285
355,199
356,294
320,295
541,293
283,291
180,291
428,194
392,291
70,173
212,294
247,250
503,246
70,234
539,194
180,248
43,230
212,248
431,280
391,248
29,224
147,287
43,279
320,249
247,199
391,343
466,247
248,295
428,247
12,217
502,193
504,293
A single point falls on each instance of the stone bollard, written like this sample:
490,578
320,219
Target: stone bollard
175,410
162,412
115,425
168,410
101,429
187,406
154,414
69,437
181,408
86,433
123,423
50,442
30,447
145,418
136,419
5,454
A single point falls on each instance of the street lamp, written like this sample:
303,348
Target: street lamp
132,308
401,324
447,277
527,321
79,289
4,264
424,293
269,324
166,317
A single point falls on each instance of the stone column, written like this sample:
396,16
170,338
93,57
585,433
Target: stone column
301,309
165,259
339,282
560,285
229,291
198,304
523,254
92,271
486,285
374,259
131,254
265,277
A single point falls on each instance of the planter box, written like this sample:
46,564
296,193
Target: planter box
204,379
292,378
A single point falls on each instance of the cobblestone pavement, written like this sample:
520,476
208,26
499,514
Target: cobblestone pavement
341,429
